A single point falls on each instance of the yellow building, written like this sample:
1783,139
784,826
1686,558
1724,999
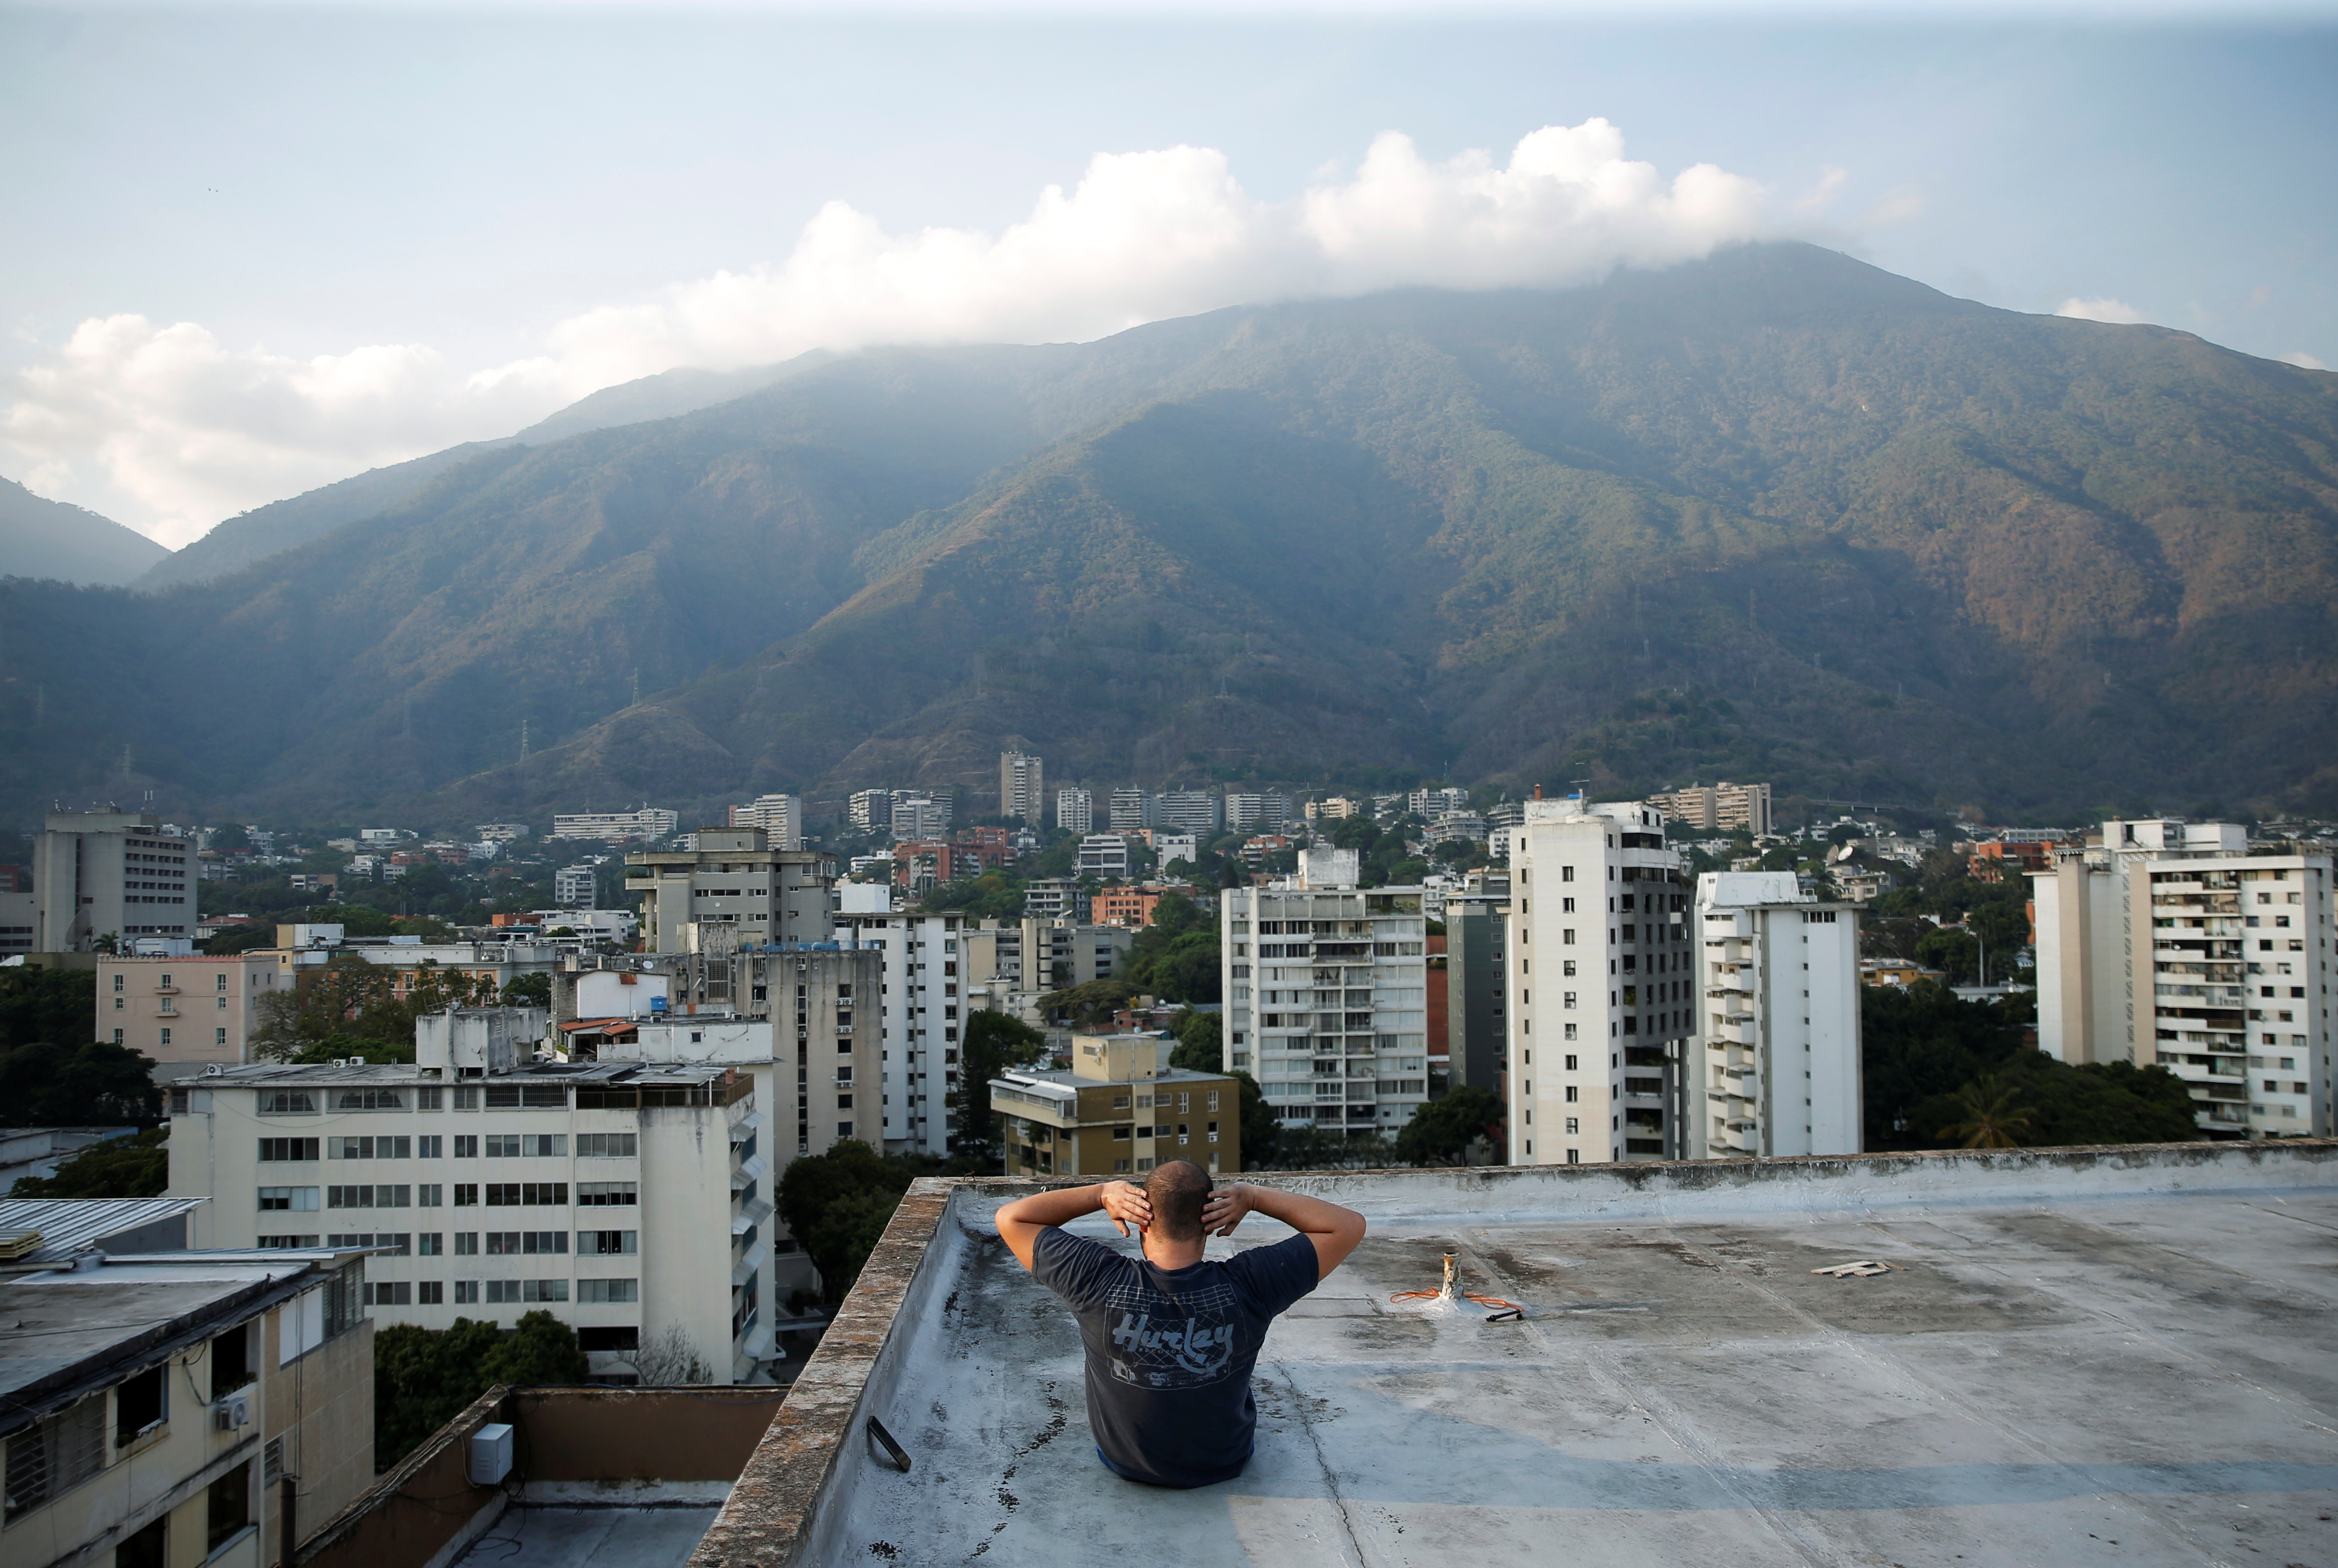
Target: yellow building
162,1409
1120,1110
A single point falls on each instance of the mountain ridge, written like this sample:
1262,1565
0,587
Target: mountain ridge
1777,510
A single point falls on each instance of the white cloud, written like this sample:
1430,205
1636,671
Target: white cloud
168,430
2302,361
2117,312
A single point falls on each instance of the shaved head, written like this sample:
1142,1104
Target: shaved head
1177,1188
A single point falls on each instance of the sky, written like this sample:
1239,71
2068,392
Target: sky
247,251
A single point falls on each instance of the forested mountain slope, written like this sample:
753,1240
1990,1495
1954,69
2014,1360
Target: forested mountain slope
1777,514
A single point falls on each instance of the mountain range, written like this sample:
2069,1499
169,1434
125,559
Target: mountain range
1776,515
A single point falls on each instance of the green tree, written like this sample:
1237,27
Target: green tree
1200,1046
540,1350
242,939
1262,1134
89,1085
46,1004
528,991
1440,1131
1089,1006
995,1042
837,1204
422,1379
138,1166
1993,1115
1952,950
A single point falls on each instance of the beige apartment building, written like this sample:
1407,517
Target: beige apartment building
1722,808
2172,944
735,877
1119,1112
101,873
175,1408
1775,1067
187,1012
631,1200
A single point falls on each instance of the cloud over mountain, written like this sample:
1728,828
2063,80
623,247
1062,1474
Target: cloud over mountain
169,430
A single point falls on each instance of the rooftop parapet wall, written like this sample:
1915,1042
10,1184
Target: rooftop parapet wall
795,1501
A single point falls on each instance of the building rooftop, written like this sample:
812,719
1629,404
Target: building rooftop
64,1226
2075,1356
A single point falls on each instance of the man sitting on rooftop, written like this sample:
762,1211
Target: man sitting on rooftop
1171,1339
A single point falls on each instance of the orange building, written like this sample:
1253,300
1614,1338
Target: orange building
1989,862
1132,907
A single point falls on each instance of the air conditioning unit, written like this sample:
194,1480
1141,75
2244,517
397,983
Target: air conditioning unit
233,1412
491,1453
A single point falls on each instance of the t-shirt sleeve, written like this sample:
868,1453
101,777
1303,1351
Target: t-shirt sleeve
1279,1275
1073,1267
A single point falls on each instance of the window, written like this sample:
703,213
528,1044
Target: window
429,1195
430,1147
607,1244
608,1291
230,1361
466,1243
55,1455
230,1506
166,1037
290,1198
607,1195
389,1293
544,1291
607,1145
287,1103
141,1404
429,1293
502,1146
368,1100
430,1243
1571,1062
1571,1124
467,1146
1570,1095
501,1292
466,1293
466,1194
286,1149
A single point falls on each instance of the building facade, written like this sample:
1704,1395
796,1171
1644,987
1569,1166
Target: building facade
576,887
2171,944
780,817
108,873
1776,1060
130,1445
1200,812
922,1001
1477,990
629,1200
1256,809
1075,811
649,823
1022,789
1326,996
1722,808
187,1012
869,810
735,877
1601,982
1103,855
1120,1110
1132,808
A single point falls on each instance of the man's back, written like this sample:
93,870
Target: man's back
1170,1350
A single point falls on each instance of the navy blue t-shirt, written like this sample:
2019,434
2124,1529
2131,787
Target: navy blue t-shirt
1170,1350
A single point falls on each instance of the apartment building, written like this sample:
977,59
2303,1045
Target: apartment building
1134,907
631,1200
99,873
1119,1110
1257,808
1196,811
649,823
1075,811
187,1012
869,810
1429,805
1103,855
576,887
780,817
1035,955
1775,1065
1722,808
1326,989
1476,988
184,1407
2170,942
1022,791
1053,899
919,814
923,995
733,877
1133,808
1333,808
1600,932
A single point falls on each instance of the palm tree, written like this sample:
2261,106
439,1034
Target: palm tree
1994,1115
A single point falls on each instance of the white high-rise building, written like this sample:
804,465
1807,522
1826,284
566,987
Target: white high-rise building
2170,944
105,873
1133,808
1429,805
1775,1069
1602,986
1326,990
1196,811
922,1002
1256,809
1075,811
918,814
1022,788
650,823
780,817
732,877
576,887
1103,855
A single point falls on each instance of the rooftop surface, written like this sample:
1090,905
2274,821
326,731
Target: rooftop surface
555,1537
2075,1357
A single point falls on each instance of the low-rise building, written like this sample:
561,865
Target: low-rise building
1102,856
631,1200
187,1012
649,823
183,1407
1135,906
1118,1112
1778,1071
1898,971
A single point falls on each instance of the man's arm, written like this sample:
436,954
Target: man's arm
1334,1230
1020,1222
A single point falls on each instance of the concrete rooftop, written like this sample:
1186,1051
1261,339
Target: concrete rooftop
2077,1358
592,1537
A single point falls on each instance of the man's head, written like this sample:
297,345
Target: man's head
1177,1188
